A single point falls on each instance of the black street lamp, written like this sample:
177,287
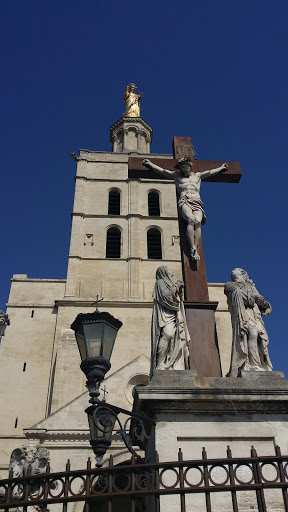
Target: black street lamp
96,334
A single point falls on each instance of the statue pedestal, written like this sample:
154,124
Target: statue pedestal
192,412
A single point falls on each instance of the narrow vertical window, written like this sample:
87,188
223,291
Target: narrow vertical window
24,367
153,204
154,247
16,423
113,243
32,313
114,202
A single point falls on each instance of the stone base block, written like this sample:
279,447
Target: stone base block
193,412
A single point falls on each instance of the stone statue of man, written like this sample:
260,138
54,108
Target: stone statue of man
169,334
190,205
250,339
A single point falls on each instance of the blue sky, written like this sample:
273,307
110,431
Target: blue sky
213,70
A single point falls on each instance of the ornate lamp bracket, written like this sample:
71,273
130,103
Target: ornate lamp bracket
136,429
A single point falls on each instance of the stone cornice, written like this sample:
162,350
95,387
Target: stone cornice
112,153
63,435
112,180
128,216
162,261
157,180
30,305
35,280
217,407
109,303
130,120
259,392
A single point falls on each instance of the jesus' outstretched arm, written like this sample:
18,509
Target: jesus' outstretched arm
156,168
207,174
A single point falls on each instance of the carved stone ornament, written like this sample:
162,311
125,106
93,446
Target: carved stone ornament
170,336
37,458
89,239
250,339
175,239
4,321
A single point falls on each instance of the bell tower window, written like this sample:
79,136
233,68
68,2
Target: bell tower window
114,202
153,204
113,243
154,246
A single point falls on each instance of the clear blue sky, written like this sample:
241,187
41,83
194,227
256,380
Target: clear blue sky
212,70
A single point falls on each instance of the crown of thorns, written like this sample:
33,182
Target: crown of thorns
185,160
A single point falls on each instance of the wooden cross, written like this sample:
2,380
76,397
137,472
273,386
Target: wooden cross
204,353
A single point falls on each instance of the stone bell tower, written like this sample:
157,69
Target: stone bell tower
131,135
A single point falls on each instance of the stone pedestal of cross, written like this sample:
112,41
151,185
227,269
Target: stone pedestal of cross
200,311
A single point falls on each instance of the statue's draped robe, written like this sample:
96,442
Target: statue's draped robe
169,309
132,105
250,339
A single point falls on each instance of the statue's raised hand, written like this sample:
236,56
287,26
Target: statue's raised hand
225,167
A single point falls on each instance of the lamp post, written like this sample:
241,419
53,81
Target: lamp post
95,335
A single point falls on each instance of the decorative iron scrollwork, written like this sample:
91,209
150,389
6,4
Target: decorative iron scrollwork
106,420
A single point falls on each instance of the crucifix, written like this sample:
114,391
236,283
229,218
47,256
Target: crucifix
200,311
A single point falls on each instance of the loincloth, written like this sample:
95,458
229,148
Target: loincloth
195,205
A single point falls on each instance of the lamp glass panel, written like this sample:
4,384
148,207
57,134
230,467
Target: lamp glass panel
91,426
104,425
81,345
93,333
110,334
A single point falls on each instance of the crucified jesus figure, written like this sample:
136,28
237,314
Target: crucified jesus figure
190,205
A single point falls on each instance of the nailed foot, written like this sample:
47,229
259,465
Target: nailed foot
194,255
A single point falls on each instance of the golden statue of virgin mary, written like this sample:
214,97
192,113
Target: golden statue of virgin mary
132,101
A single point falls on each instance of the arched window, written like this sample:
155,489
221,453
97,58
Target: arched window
114,202
154,248
113,243
153,204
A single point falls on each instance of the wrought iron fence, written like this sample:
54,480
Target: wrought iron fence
189,485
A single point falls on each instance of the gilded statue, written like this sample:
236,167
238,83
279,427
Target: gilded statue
132,101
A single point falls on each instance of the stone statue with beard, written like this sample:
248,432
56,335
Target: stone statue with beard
250,339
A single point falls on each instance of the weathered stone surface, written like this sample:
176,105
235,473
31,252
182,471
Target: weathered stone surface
172,391
169,333
131,135
250,339
4,322
192,412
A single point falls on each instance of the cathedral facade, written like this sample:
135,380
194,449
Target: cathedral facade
124,226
